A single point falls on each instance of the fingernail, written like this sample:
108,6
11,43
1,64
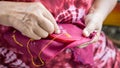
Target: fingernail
86,33
57,31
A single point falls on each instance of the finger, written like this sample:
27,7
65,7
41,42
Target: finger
45,24
49,16
40,32
88,29
29,33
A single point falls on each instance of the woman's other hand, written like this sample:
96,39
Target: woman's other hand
93,23
97,14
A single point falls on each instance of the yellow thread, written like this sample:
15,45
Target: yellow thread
32,55
47,45
15,40
68,35
41,52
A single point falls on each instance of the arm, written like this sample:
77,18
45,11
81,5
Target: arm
6,11
103,7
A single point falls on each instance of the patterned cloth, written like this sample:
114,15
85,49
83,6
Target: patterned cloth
58,51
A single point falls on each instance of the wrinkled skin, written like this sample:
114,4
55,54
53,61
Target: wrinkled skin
31,19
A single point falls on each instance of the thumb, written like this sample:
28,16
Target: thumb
88,29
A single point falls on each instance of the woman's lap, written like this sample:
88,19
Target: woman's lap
104,52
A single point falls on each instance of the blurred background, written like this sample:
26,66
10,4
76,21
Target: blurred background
111,25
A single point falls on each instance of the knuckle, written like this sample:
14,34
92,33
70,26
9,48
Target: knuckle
30,25
32,14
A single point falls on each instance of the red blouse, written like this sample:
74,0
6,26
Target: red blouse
58,51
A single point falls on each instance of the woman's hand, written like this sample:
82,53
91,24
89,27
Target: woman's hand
31,19
93,23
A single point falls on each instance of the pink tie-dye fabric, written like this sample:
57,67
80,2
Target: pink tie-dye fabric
61,50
